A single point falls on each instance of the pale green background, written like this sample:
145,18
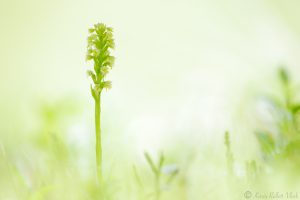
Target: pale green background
183,68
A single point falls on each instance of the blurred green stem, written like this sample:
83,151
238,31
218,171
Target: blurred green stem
229,154
157,187
98,138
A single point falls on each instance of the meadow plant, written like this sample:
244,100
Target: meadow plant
100,44
280,143
229,155
252,171
160,171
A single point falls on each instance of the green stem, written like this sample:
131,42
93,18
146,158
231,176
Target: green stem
157,187
98,138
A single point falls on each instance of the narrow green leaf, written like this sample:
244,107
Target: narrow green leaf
266,142
283,75
151,163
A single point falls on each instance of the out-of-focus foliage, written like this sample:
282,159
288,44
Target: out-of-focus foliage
163,175
229,154
280,143
47,166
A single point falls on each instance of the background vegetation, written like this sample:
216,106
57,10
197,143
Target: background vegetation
204,104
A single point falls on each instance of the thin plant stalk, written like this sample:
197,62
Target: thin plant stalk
100,43
157,170
98,138
229,155
157,187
